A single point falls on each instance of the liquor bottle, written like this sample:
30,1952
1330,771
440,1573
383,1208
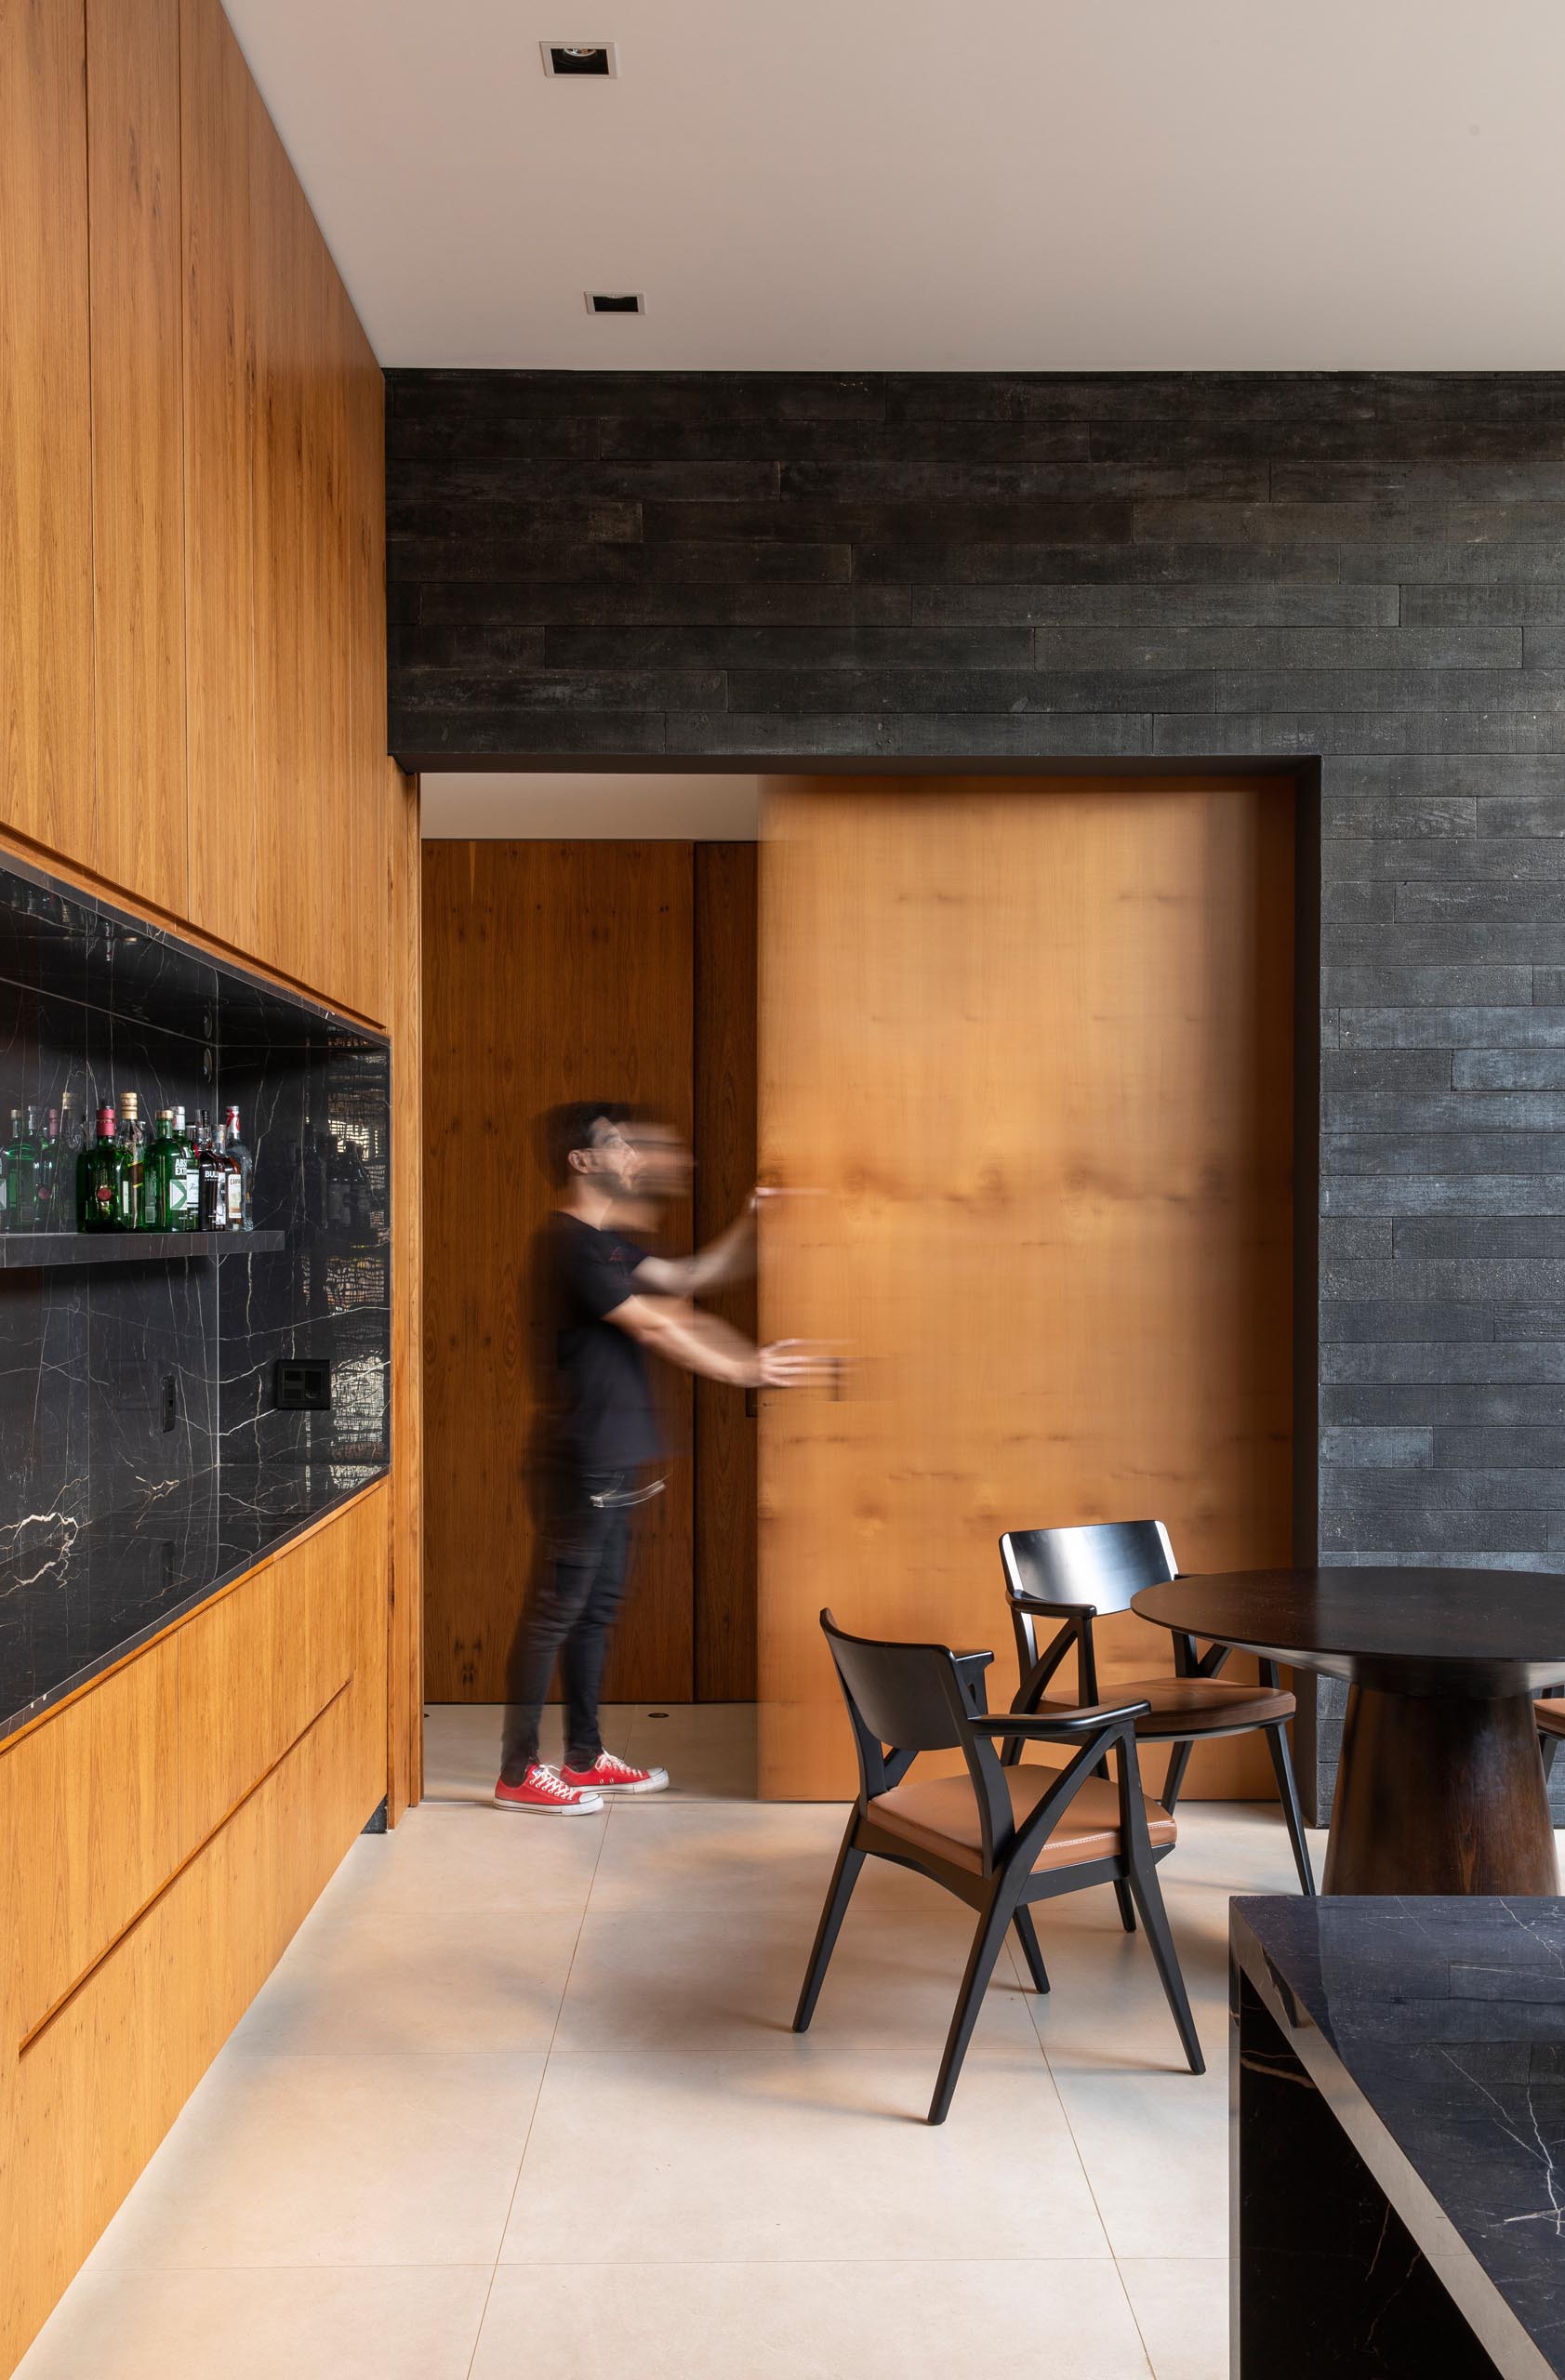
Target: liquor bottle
21,1172
70,1170
315,1176
190,1219
212,1176
48,1171
167,1192
241,1214
133,1141
103,1170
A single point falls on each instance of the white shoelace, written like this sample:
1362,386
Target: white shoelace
545,1779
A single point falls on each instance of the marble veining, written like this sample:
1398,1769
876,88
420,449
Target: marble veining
143,1459
1443,2022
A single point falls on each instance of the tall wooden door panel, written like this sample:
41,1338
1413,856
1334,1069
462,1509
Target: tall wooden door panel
45,462
1028,1046
725,1422
551,972
138,463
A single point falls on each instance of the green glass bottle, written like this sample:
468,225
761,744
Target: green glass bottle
168,1181
21,1172
132,1141
103,1177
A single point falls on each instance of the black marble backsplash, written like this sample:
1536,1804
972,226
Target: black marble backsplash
92,1003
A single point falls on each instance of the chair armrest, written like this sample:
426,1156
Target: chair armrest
970,1668
1085,1719
1020,1602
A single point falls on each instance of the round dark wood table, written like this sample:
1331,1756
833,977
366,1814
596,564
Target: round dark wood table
1440,1787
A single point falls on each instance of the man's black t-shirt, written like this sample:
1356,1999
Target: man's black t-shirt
603,1417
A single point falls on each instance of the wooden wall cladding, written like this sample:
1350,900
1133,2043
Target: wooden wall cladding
192,1809
46,458
193,619
551,972
725,1169
137,461
1033,1042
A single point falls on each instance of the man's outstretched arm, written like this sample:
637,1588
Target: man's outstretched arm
730,1257
668,1327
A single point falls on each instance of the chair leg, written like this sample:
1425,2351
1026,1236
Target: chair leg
1292,1817
1127,1906
1160,1941
843,1878
980,1966
1178,1762
1026,1934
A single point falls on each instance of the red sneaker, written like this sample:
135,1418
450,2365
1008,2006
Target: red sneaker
608,1775
544,1789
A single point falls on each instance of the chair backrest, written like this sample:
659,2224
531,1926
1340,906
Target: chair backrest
906,1695
1096,1568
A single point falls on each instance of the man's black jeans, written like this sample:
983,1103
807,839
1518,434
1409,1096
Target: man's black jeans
578,1581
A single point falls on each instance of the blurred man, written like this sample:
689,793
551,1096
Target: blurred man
605,1305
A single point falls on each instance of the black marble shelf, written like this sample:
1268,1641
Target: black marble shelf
29,1250
75,1600
1399,2179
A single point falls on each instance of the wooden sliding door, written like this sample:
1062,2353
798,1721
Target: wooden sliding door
1026,1053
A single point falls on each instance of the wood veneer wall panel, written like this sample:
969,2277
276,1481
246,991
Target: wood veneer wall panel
1032,1039
725,1432
404,1647
89,1829
45,467
137,458
552,971
217,105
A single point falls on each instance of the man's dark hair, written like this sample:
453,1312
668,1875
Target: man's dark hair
574,1125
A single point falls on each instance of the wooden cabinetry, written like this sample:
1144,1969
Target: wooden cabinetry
160,1839
45,466
193,616
138,465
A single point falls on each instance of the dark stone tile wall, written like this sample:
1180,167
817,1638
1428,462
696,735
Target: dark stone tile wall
93,1003
1368,571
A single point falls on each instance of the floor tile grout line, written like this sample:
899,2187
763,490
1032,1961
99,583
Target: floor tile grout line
537,2097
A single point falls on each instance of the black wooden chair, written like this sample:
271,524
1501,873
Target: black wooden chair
999,1838
1073,1576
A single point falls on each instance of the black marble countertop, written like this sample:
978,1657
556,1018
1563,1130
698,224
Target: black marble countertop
1435,2028
75,1600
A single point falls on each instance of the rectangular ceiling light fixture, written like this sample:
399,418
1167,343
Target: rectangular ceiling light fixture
581,58
606,301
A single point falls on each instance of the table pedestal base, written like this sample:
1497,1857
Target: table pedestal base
1441,1793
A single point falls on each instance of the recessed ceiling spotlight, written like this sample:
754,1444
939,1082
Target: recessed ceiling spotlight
608,301
581,58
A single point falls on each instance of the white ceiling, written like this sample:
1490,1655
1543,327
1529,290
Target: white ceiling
916,184
529,805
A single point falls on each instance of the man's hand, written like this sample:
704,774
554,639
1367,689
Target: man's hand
792,1363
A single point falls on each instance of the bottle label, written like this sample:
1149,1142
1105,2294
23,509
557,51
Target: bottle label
235,1198
178,1187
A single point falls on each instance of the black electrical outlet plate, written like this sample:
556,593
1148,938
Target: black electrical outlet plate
303,1384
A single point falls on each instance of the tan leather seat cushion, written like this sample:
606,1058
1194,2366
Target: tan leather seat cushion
1551,1716
941,1815
1187,1705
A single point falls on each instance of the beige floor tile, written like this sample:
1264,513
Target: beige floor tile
370,1986
735,1855
683,1980
1156,2151
774,2156
333,2161
443,1859
462,1744
326,2323
816,2321
1181,2306
709,1749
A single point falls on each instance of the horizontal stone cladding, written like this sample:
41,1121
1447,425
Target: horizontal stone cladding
1367,571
